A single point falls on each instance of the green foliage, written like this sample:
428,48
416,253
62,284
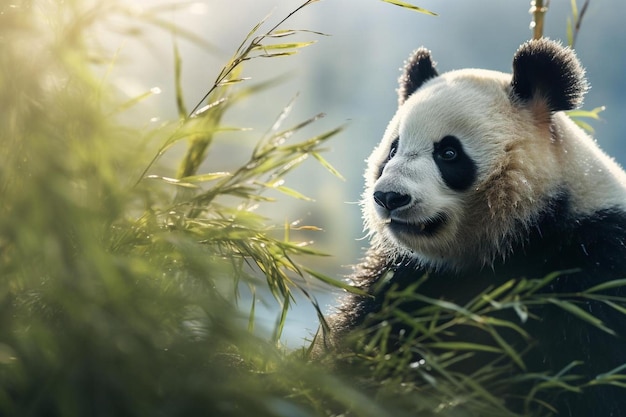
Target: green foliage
578,116
410,7
435,330
122,296
122,284
575,21
572,29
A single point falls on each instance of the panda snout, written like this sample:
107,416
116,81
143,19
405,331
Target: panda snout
391,200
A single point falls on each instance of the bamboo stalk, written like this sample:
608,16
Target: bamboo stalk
538,10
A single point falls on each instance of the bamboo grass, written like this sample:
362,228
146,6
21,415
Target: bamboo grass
122,285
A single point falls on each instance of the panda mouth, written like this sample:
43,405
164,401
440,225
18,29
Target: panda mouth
428,227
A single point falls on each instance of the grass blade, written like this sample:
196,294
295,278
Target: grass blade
581,314
336,283
178,65
410,7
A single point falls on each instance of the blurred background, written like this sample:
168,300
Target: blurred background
350,75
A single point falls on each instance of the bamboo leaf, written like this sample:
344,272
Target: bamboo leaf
490,297
485,395
410,7
287,166
612,382
606,286
200,110
211,176
292,193
569,30
577,115
581,314
584,125
521,310
507,348
279,46
574,8
251,33
539,284
312,142
327,165
557,383
612,373
282,318
505,323
277,54
252,311
615,306
281,33
289,32
591,114
232,81
568,368
464,346
172,181
180,102
446,305
336,283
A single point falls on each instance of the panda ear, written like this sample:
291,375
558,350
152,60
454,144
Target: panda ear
549,72
418,69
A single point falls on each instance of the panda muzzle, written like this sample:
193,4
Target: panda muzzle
427,227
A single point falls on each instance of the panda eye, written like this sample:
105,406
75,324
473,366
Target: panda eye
394,149
448,154
458,170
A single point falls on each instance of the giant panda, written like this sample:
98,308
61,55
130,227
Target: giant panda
481,178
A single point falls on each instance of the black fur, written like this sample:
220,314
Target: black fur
418,69
592,249
459,172
392,152
595,247
544,69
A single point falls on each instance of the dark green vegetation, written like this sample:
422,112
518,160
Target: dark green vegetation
119,292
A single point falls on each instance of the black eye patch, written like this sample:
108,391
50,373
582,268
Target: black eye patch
392,152
457,169
393,149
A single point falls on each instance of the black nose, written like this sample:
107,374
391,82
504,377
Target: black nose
391,200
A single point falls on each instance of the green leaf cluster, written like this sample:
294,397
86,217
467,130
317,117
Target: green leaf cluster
128,290
437,331
129,287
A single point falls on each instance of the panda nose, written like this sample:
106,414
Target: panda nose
391,200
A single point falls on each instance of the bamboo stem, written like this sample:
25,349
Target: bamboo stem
538,10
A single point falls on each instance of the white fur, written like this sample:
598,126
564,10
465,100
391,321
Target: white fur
524,155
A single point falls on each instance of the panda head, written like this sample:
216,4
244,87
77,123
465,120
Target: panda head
472,157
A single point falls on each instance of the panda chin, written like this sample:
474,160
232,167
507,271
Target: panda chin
426,228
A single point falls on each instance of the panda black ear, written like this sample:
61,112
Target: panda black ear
545,70
418,69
